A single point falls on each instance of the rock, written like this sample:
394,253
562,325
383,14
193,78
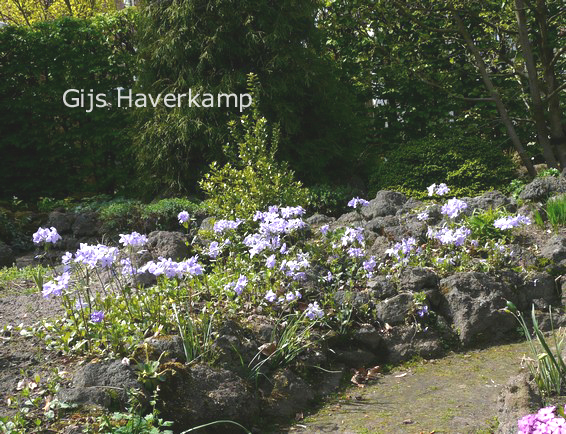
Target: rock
290,395
539,286
381,287
416,279
207,224
355,299
491,200
199,394
410,205
542,188
472,301
404,342
385,203
319,220
63,222
168,245
518,398
554,249
356,357
105,384
235,346
7,258
379,247
167,347
353,218
378,224
394,310
86,225
368,336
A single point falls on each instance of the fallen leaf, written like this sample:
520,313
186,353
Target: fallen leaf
268,349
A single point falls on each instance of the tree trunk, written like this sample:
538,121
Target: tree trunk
558,137
480,64
534,89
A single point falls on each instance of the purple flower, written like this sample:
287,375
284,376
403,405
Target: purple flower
314,311
214,249
270,296
324,229
292,211
423,311
134,239
270,262
237,286
171,269
292,296
453,207
505,223
422,216
183,217
46,235
357,202
351,235
224,225
355,252
431,189
97,316
369,265
442,189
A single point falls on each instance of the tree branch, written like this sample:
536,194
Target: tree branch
558,89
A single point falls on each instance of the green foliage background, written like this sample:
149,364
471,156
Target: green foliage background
46,148
469,165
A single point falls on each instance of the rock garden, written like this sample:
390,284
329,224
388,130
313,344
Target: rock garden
245,324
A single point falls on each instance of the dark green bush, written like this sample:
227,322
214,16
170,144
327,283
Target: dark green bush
469,165
331,200
49,149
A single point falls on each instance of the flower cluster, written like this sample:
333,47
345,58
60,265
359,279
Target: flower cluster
96,256
170,268
274,224
455,237
453,207
510,222
314,311
224,225
543,421
57,286
47,235
183,217
237,286
133,240
405,247
440,189
357,202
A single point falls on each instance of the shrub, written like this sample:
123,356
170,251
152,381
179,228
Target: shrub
252,179
469,165
49,149
330,200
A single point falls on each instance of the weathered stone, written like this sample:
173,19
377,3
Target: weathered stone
86,225
385,203
368,336
394,310
353,218
416,279
7,258
542,188
378,224
379,247
200,394
539,286
381,287
290,394
404,342
319,219
554,249
491,200
168,245
472,301
63,222
105,383
166,347
356,299
518,398
356,357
